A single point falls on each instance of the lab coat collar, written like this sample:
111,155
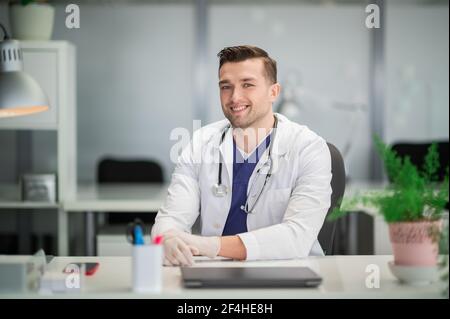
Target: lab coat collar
281,140
280,148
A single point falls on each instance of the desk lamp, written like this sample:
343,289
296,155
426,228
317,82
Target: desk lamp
20,94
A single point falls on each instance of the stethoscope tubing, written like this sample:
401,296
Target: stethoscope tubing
268,175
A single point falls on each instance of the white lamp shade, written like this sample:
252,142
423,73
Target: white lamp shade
20,95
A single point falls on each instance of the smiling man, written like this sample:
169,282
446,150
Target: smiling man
267,194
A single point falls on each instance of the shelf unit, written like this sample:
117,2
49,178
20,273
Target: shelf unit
53,65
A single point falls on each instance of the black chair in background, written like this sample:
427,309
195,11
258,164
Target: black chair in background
113,170
327,233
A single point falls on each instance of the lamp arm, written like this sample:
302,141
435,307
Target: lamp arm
5,34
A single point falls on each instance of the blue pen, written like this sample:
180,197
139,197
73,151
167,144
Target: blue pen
138,235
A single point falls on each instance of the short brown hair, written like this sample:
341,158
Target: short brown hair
244,52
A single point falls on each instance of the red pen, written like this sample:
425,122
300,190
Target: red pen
158,240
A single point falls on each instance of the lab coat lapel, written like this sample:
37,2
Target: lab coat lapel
226,152
282,137
280,147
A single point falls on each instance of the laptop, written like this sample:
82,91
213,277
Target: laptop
249,277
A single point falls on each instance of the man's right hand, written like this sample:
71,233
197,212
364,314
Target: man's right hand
177,252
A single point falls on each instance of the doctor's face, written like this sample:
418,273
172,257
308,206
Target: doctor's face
246,95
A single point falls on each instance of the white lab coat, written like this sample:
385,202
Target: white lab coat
291,210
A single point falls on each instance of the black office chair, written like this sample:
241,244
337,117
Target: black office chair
327,232
113,170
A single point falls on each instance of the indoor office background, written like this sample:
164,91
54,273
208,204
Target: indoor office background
147,67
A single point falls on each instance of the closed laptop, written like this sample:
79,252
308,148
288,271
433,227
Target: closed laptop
249,277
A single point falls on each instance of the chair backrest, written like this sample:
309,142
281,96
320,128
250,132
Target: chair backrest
114,170
111,170
327,232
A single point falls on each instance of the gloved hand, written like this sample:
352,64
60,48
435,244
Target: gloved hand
177,252
206,246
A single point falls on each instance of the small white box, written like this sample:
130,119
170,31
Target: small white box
147,268
19,274
39,188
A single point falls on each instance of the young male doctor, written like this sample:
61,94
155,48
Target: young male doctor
259,182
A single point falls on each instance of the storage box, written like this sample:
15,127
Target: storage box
39,188
19,274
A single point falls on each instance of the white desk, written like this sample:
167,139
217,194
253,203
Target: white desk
117,198
95,198
343,277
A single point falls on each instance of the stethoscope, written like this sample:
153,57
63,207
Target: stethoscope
221,190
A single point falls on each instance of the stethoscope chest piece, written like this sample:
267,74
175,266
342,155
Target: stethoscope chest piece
219,190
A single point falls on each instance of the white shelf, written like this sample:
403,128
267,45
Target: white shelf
16,126
53,65
28,205
10,199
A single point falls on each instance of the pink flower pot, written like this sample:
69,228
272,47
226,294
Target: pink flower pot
412,242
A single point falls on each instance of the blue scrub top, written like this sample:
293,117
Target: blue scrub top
242,170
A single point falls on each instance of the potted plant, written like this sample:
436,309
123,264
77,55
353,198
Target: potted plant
444,260
412,204
31,20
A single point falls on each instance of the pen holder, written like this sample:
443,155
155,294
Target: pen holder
147,268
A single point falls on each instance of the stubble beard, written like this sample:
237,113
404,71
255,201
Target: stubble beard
248,121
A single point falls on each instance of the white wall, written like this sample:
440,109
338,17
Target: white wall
417,51
134,79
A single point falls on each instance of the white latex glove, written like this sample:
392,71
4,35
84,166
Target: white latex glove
177,252
206,246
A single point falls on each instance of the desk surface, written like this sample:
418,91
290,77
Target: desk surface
343,277
145,197
118,197
121,197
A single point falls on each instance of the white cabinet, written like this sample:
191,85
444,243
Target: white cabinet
53,65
